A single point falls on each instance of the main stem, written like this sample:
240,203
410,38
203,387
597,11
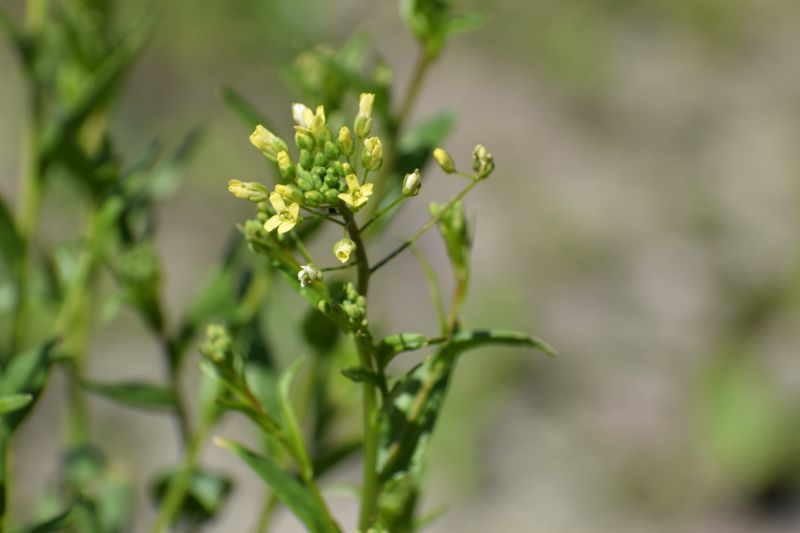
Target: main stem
370,488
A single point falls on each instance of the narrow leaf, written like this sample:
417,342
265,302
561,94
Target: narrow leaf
11,247
290,424
296,497
467,340
401,342
359,374
14,402
135,394
56,524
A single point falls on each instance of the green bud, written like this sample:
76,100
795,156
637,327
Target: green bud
306,159
332,180
253,191
444,160
363,122
332,195
346,141
290,192
373,154
331,150
412,183
346,169
343,248
314,198
304,184
303,138
285,165
482,161
337,168
320,160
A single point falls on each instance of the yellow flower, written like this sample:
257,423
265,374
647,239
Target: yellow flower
284,218
358,194
373,154
343,248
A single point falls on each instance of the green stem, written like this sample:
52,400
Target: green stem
428,225
370,486
5,450
179,487
414,86
267,512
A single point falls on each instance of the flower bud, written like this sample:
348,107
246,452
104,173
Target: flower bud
331,150
343,248
346,141
314,198
306,159
373,154
308,274
302,115
318,127
412,183
285,165
269,144
363,122
482,161
255,192
303,138
444,160
291,193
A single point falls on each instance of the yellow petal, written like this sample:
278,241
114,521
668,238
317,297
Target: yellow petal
294,210
366,189
352,182
285,226
272,223
346,198
277,202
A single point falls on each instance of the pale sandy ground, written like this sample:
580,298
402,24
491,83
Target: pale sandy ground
585,237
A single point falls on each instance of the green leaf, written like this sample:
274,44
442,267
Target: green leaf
407,424
26,373
135,394
467,340
392,345
11,246
95,90
244,109
58,523
465,23
14,402
205,496
359,374
295,496
290,424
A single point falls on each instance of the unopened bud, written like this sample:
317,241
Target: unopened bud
269,144
373,154
308,274
291,193
343,248
346,141
363,122
285,165
482,161
445,161
248,190
302,115
303,138
412,183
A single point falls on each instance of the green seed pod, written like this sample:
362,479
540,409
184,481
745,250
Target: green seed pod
314,198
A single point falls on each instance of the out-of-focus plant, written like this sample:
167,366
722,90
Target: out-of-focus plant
350,170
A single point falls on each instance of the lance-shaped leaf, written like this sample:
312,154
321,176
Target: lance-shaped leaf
136,394
56,524
290,424
407,425
14,402
294,495
26,373
398,343
11,247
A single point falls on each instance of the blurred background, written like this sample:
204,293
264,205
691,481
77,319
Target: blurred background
643,219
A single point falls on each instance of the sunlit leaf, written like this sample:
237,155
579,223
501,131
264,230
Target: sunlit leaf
135,394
